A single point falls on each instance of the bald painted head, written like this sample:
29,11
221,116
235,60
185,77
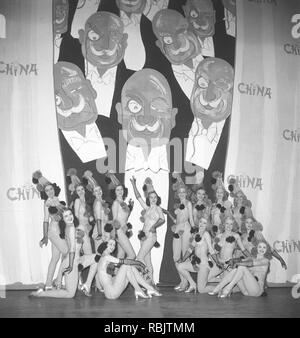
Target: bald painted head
60,16
145,110
175,40
103,41
211,98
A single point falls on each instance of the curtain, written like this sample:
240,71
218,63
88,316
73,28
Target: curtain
29,137
264,146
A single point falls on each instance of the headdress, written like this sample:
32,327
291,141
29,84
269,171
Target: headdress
40,181
234,189
72,179
111,180
89,181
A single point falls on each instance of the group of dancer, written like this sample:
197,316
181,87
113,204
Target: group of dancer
221,242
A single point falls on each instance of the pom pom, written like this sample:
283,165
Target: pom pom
129,226
97,258
213,181
194,230
195,260
37,174
148,180
35,181
72,172
230,239
182,206
80,266
173,179
217,247
251,235
116,224
144,187
230,188
198,238
143,212
215,228
110,269
63,203
53,210
129,233
142,219
107,180
141,235
210,263
202,207
130,206
68,180
176,236
219,206
88,174
242,210
223,209
108,227
156,245
84,181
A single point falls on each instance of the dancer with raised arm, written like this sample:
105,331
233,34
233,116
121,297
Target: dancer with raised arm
120,212
128,273
196,259
49,193
153,218
249,275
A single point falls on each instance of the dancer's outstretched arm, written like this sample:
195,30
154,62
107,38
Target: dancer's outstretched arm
137,194
44,240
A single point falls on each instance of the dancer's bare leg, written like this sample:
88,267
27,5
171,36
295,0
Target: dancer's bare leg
226,279
125,244
184,270
202,278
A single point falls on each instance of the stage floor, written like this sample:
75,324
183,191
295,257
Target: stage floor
278,303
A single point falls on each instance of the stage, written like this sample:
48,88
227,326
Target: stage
278,303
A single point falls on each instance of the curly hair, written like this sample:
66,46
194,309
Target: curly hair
235,226
89,200
56,188
113,192
256,226
62,224
194,198
225,194
268,253
187,190
245,200
208,225
158,203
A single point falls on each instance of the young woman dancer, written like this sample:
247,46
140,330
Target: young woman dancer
184,222
127,273
120,212
71,261
153,218
221,208
249,275
252,233
196,260
201,204
49,193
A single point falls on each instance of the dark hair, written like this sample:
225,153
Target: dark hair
56,191
102,247
113,192
62,224
158,202
89,200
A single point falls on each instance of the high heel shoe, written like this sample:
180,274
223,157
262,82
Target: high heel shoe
191,289
85,291
214,293
48,288
225,293
140,294
177,287
151,293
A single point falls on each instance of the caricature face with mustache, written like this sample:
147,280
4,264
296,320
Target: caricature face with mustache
131,6
75,97
211,98
103,41
201,17
60,16
176,42
145,111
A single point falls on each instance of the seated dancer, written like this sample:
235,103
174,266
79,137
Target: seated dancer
241,205
196,260
121,212
221,208
184,222
252,233
225,244
127,273
69,230
201,203
153,217
249,274
49,193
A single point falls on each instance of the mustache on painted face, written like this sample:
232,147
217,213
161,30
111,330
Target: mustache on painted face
154,128
104,52
74,110
130,3
182,49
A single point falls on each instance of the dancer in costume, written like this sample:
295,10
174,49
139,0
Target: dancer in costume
127,273
73,236
49,193
249,275
201,203
196,260
121,212
153,217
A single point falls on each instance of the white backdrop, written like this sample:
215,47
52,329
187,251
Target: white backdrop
29,137
264,146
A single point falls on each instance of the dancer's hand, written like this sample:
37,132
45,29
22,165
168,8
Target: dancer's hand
68,270
44,241
140,265
283,264
133,180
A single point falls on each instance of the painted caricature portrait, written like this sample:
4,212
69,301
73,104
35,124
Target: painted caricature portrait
103,41
131,6
201,17
175,40
230,5
146,111
211,98
60,16
75,98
